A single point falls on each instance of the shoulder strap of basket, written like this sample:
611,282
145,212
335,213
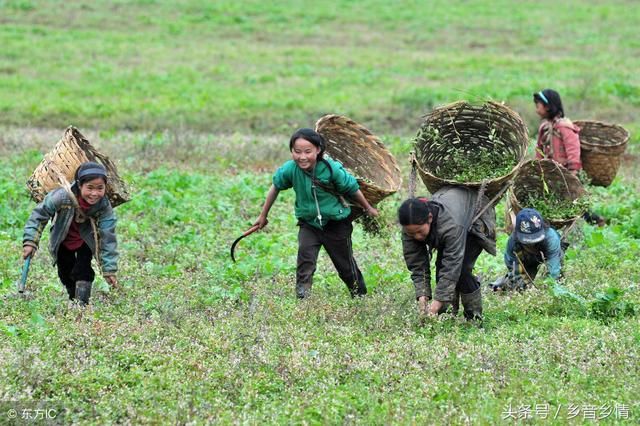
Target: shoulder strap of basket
74,200
412,175
331,189
490,203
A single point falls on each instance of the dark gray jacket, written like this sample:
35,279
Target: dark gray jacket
59,206
449,237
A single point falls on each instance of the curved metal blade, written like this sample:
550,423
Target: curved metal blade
250,231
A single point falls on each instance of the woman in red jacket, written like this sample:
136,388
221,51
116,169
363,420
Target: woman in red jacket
559,138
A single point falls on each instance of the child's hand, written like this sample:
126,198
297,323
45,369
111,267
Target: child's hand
28,251
372,211
261,222
112,280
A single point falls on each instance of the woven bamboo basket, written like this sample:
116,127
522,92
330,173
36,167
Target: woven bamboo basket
601,149
490,132
362,154
546,177
59,166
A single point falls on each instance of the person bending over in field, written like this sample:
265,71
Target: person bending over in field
321,185
84,226
559,139
531,243
445,224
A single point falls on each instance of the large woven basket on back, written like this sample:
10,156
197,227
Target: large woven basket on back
546,179
601,149
362,154
464,144
59,166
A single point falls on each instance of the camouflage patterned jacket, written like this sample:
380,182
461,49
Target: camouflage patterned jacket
449,236
60,207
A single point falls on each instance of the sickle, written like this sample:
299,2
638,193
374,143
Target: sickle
250,231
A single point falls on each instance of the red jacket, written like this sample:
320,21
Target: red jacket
562,144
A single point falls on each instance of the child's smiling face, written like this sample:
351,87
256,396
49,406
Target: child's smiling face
93,190
305,154
541,110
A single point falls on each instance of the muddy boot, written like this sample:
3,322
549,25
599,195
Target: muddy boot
358,289
472,305
501,283
455,305
303,290
71,291
83,291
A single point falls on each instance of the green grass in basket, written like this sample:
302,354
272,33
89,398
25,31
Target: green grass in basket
551,206
463,165
474,166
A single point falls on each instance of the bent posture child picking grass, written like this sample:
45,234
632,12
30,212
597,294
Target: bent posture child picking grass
319,184
83,227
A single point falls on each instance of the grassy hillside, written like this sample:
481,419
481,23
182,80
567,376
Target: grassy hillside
195,102
251,66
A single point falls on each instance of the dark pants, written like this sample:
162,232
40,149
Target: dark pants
467,283
74,265
531,262
336,240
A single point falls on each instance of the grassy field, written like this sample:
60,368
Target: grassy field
195,101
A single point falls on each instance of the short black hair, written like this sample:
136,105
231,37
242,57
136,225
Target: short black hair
551,99
416,211
310,135
98,171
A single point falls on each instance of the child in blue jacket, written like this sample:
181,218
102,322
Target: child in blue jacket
531,243
83,227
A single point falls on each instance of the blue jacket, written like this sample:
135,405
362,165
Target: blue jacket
549,248
59,206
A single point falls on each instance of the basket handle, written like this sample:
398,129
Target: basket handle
412,175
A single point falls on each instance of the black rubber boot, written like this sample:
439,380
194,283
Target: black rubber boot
83,292
359,289
303,290
71,291
472,304
455,305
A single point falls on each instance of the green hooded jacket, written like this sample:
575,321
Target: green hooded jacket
329,174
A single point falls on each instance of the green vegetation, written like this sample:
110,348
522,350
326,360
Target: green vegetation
475,166
553,207
250,66
195,102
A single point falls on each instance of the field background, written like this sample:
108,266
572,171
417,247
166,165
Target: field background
195,101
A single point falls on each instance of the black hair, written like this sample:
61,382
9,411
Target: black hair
416,211
98,172
310,135
552,102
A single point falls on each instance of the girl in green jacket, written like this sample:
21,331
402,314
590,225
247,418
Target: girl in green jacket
321,185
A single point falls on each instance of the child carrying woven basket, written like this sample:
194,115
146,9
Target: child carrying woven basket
320,185
446,224
83,228
558,138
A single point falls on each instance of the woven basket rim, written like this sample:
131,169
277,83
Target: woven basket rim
623,131
395,172
553,220
500,108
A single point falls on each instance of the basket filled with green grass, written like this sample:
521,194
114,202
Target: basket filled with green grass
465,144
551,189
601,149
